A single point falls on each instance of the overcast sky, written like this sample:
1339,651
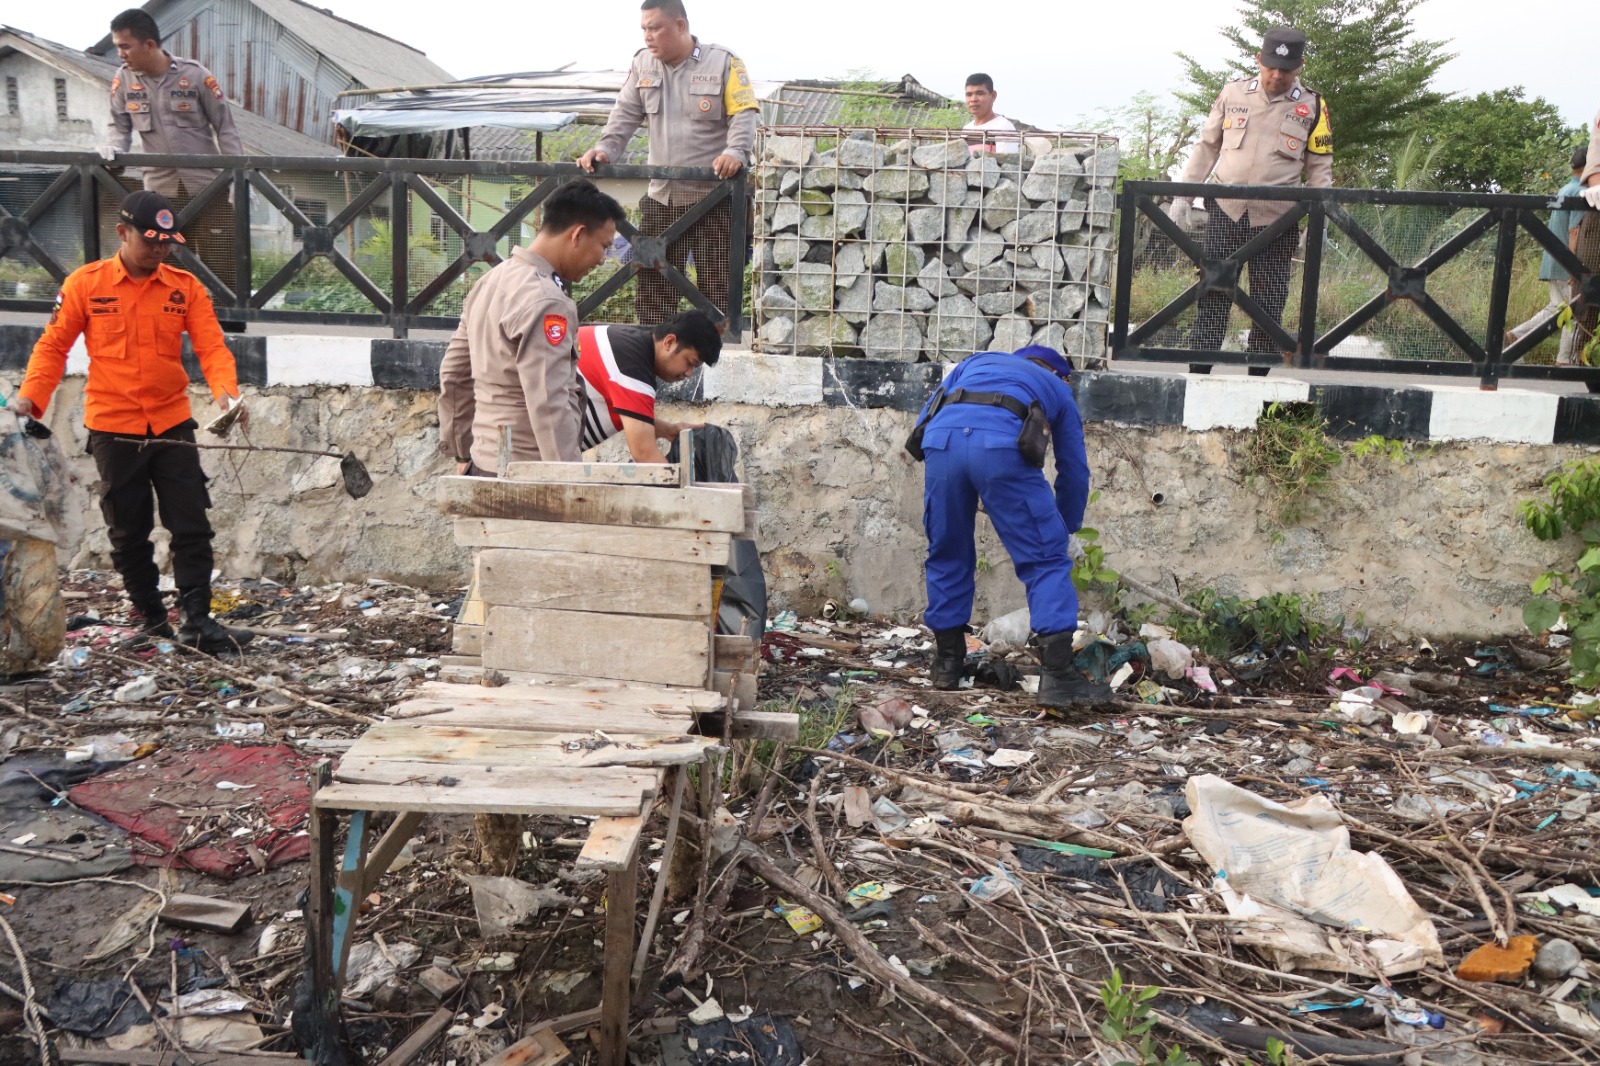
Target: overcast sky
1053,64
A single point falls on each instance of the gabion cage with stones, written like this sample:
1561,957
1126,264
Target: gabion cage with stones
915,245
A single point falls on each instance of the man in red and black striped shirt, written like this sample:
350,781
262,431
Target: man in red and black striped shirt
621,365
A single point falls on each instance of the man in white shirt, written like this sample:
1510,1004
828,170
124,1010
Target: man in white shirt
980,102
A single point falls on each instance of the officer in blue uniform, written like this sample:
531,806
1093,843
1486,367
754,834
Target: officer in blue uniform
984,435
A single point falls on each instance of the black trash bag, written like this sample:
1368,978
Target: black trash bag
743,611
997,673
759,1040
1149,886
96,1009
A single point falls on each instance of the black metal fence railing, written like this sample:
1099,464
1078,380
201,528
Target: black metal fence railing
393,243
1384,281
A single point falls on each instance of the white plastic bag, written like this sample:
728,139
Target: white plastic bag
34,479
1009,629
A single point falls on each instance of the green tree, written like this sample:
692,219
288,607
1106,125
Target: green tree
1497,142
1362,55
1155,136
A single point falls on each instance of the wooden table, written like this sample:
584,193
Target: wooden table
600,752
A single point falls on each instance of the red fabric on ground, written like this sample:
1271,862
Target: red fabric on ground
171,800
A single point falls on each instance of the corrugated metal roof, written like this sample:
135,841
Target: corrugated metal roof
261,136
814,102
373,60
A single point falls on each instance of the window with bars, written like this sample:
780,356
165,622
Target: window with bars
61,99
13,102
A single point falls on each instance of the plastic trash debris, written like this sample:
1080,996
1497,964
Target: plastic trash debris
1010,758
73,657
707,1012
996,885
1281,861
1568,895
503,902
887,817
801,919
1411,723
140,688
886,717
1170,657
1008,632
240,730
1201,676
784,621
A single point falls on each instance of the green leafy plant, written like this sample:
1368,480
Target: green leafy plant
1092,570
1381,447
1573,506
1230,625
1291,456
1129,1020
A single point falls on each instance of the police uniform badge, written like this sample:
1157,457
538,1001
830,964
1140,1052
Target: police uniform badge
555,328
183,83
211,83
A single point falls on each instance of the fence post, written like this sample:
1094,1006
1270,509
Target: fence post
399,254
242,252
738,251
89,191
1310,279
1499,296
1128,213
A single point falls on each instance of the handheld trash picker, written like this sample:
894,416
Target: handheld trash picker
353,473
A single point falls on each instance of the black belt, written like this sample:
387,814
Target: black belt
990,399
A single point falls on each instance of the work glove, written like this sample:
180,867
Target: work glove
1075,548
1591,196
22,407
107,152
1178,211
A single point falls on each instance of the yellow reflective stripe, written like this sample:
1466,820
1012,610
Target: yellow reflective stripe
1321,141
737,95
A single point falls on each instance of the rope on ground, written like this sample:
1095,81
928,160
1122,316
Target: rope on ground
30,1005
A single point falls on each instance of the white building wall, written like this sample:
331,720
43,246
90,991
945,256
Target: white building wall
36,123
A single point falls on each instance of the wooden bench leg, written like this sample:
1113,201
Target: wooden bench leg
653,915
346,898
622,905
319,1034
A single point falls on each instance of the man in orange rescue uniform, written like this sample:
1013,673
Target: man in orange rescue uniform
133,310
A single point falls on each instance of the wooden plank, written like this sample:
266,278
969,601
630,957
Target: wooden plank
383,853
596,473
613,844
165,1057
459,745
466,639
468,673
766,725
529,798
622,891
638,720
751,530
737,653
542,1047
602,781
203,912
573,581
463,662
597,696
747,691
471,613
712,510
661,650
747,491
670,545
420,1038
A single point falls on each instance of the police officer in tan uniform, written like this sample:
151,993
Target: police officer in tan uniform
513,359
178,108
699,110
1265,130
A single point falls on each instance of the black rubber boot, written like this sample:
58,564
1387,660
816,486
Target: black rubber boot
1061,684
198,629
151,613
949,657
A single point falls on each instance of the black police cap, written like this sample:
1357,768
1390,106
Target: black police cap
1283,48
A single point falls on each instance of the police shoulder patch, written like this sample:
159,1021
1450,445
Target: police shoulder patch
1253,85
555,328
1321,140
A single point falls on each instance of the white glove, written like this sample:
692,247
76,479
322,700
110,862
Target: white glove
1178,211
107,152
1074,548
1591,196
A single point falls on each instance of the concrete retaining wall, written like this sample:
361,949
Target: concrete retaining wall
1430,545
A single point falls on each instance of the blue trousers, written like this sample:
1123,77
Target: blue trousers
971,465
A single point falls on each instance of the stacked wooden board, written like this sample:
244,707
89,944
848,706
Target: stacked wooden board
600,571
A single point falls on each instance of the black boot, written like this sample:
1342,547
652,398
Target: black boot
949,657
151,612
1061,684
198,629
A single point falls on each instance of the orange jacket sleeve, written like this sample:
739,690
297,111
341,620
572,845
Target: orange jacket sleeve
205,333
49,359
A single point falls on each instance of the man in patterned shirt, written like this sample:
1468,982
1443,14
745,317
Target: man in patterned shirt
620,366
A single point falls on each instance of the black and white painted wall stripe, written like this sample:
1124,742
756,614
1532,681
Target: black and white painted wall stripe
1433,412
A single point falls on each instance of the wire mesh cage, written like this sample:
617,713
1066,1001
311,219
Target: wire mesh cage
931,244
